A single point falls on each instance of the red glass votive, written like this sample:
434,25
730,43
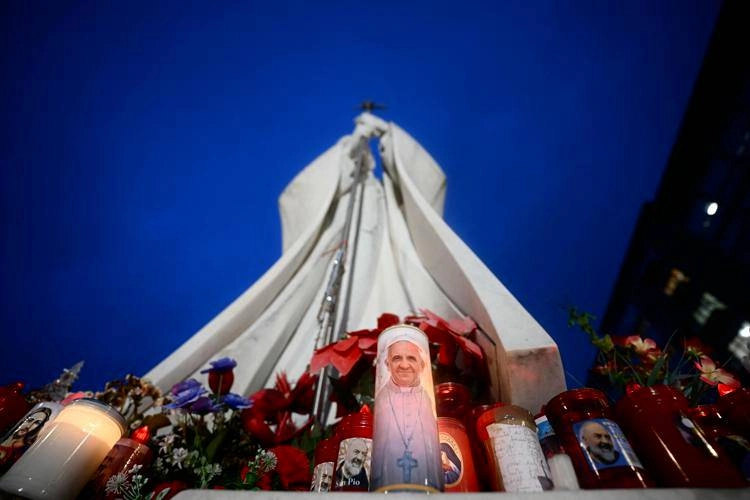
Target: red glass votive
477,447
675,450
735,406
717,429
354,453
459,474
601,454
452,400
326,453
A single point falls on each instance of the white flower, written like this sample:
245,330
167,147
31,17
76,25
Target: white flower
117,483
165,443
178,456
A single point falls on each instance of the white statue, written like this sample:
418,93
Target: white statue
401,257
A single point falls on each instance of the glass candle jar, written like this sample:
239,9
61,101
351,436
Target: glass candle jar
127,454
484,471
675,450
25,432
405,447
560,466
354,452
602,456
453,400
735,406
67,453
459,474
326,454
512,448
717,429
13,405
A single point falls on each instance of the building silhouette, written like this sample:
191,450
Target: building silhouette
687,269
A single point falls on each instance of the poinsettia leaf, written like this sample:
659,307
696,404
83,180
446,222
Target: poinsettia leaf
344,362
269,400
345,344
365,343
470,347
320,359
387,319
462,326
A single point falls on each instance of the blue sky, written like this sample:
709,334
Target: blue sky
143,147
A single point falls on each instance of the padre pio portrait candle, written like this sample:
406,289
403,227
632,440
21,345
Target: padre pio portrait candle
406,450
67,452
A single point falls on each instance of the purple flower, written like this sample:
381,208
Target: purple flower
220,365
185,385
236,402
185,393
204,405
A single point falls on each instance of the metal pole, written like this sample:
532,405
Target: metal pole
328,307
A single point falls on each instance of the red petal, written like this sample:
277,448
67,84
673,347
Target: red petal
367,343
387,319
462,326
254,424
725,389
346,361
320,359
345,344
269,400
293,468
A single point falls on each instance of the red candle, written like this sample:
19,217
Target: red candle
601,454
122,458
459,474
13,405
326,453
452,400
354,436
717,429
477,447
673,447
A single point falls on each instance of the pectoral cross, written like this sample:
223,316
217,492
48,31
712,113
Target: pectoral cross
406,463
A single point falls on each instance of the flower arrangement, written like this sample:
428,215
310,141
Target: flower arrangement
211,438
627,362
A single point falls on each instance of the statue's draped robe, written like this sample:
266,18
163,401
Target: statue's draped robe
406,258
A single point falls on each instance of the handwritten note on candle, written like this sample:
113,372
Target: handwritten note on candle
519,457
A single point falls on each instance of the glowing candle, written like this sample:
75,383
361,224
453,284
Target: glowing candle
67,452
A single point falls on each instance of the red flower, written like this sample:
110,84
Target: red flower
449,335
220,375
292,468
712,374
346,353
275,406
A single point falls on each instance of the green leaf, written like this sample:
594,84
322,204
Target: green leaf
655,370
214,445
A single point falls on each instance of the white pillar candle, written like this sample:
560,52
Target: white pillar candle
67,453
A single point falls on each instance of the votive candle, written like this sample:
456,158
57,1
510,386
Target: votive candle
67,453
